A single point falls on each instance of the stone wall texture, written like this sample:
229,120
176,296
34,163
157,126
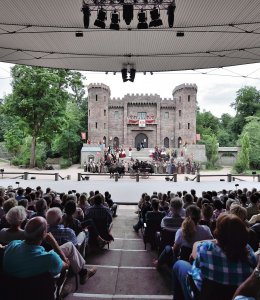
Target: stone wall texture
169,122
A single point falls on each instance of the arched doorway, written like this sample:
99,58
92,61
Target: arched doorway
105,141
116,142
179,142
141,138
166,143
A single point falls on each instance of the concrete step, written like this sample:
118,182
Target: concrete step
125,270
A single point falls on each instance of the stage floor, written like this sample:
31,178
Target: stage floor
128,190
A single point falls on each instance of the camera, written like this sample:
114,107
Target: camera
17,182
236,184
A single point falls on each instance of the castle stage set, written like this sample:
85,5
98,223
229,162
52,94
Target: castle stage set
142,119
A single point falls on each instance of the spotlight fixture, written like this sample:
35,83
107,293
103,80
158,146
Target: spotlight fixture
170,13
155,16
180,33
101,17
86,14
128,13
124,74
132,74
79,34
142,20
114,20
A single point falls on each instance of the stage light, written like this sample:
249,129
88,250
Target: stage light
86,14
132,74
142,20
101,17
114,20
155,16
128,13
124,74
170,13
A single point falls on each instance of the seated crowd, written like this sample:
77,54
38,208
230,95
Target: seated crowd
46,232
213,238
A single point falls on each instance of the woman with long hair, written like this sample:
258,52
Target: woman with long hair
228,260
189,233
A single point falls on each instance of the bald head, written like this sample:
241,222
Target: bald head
35,229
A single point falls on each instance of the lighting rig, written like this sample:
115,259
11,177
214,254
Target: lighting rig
127,8
128,73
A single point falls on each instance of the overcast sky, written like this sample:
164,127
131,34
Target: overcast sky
216,89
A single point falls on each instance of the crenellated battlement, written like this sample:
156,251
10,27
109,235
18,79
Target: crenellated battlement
99,86
185,86
116,99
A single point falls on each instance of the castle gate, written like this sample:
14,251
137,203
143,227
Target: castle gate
141,138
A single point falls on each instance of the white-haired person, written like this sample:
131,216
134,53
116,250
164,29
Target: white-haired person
15,217
61,233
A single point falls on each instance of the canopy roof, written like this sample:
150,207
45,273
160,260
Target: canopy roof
216,34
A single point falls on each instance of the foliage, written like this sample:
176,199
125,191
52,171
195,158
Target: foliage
38,99
68,141
252,129
207,123
23,156
45,105
65,163
77,87
211,145
242,163
247,103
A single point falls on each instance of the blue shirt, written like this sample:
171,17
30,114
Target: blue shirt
23,260
212,263
63,235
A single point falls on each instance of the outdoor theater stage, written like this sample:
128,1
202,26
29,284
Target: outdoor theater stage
127,190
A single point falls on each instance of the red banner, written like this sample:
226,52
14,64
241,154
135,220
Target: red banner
149,121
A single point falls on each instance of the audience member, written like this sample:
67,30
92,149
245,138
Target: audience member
27,258
219,259
15,217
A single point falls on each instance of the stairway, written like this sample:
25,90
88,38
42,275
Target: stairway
124,271
143,154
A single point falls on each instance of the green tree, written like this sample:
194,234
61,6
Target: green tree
225,134
211,145
247,103
207,123
242,163
39,99
77,86
252,129
68,141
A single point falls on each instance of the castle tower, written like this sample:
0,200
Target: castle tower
98,97
185,97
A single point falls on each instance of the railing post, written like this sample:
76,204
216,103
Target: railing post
198,177
229,177
116,176
25,177
175,177
137,177
79,176
56,176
